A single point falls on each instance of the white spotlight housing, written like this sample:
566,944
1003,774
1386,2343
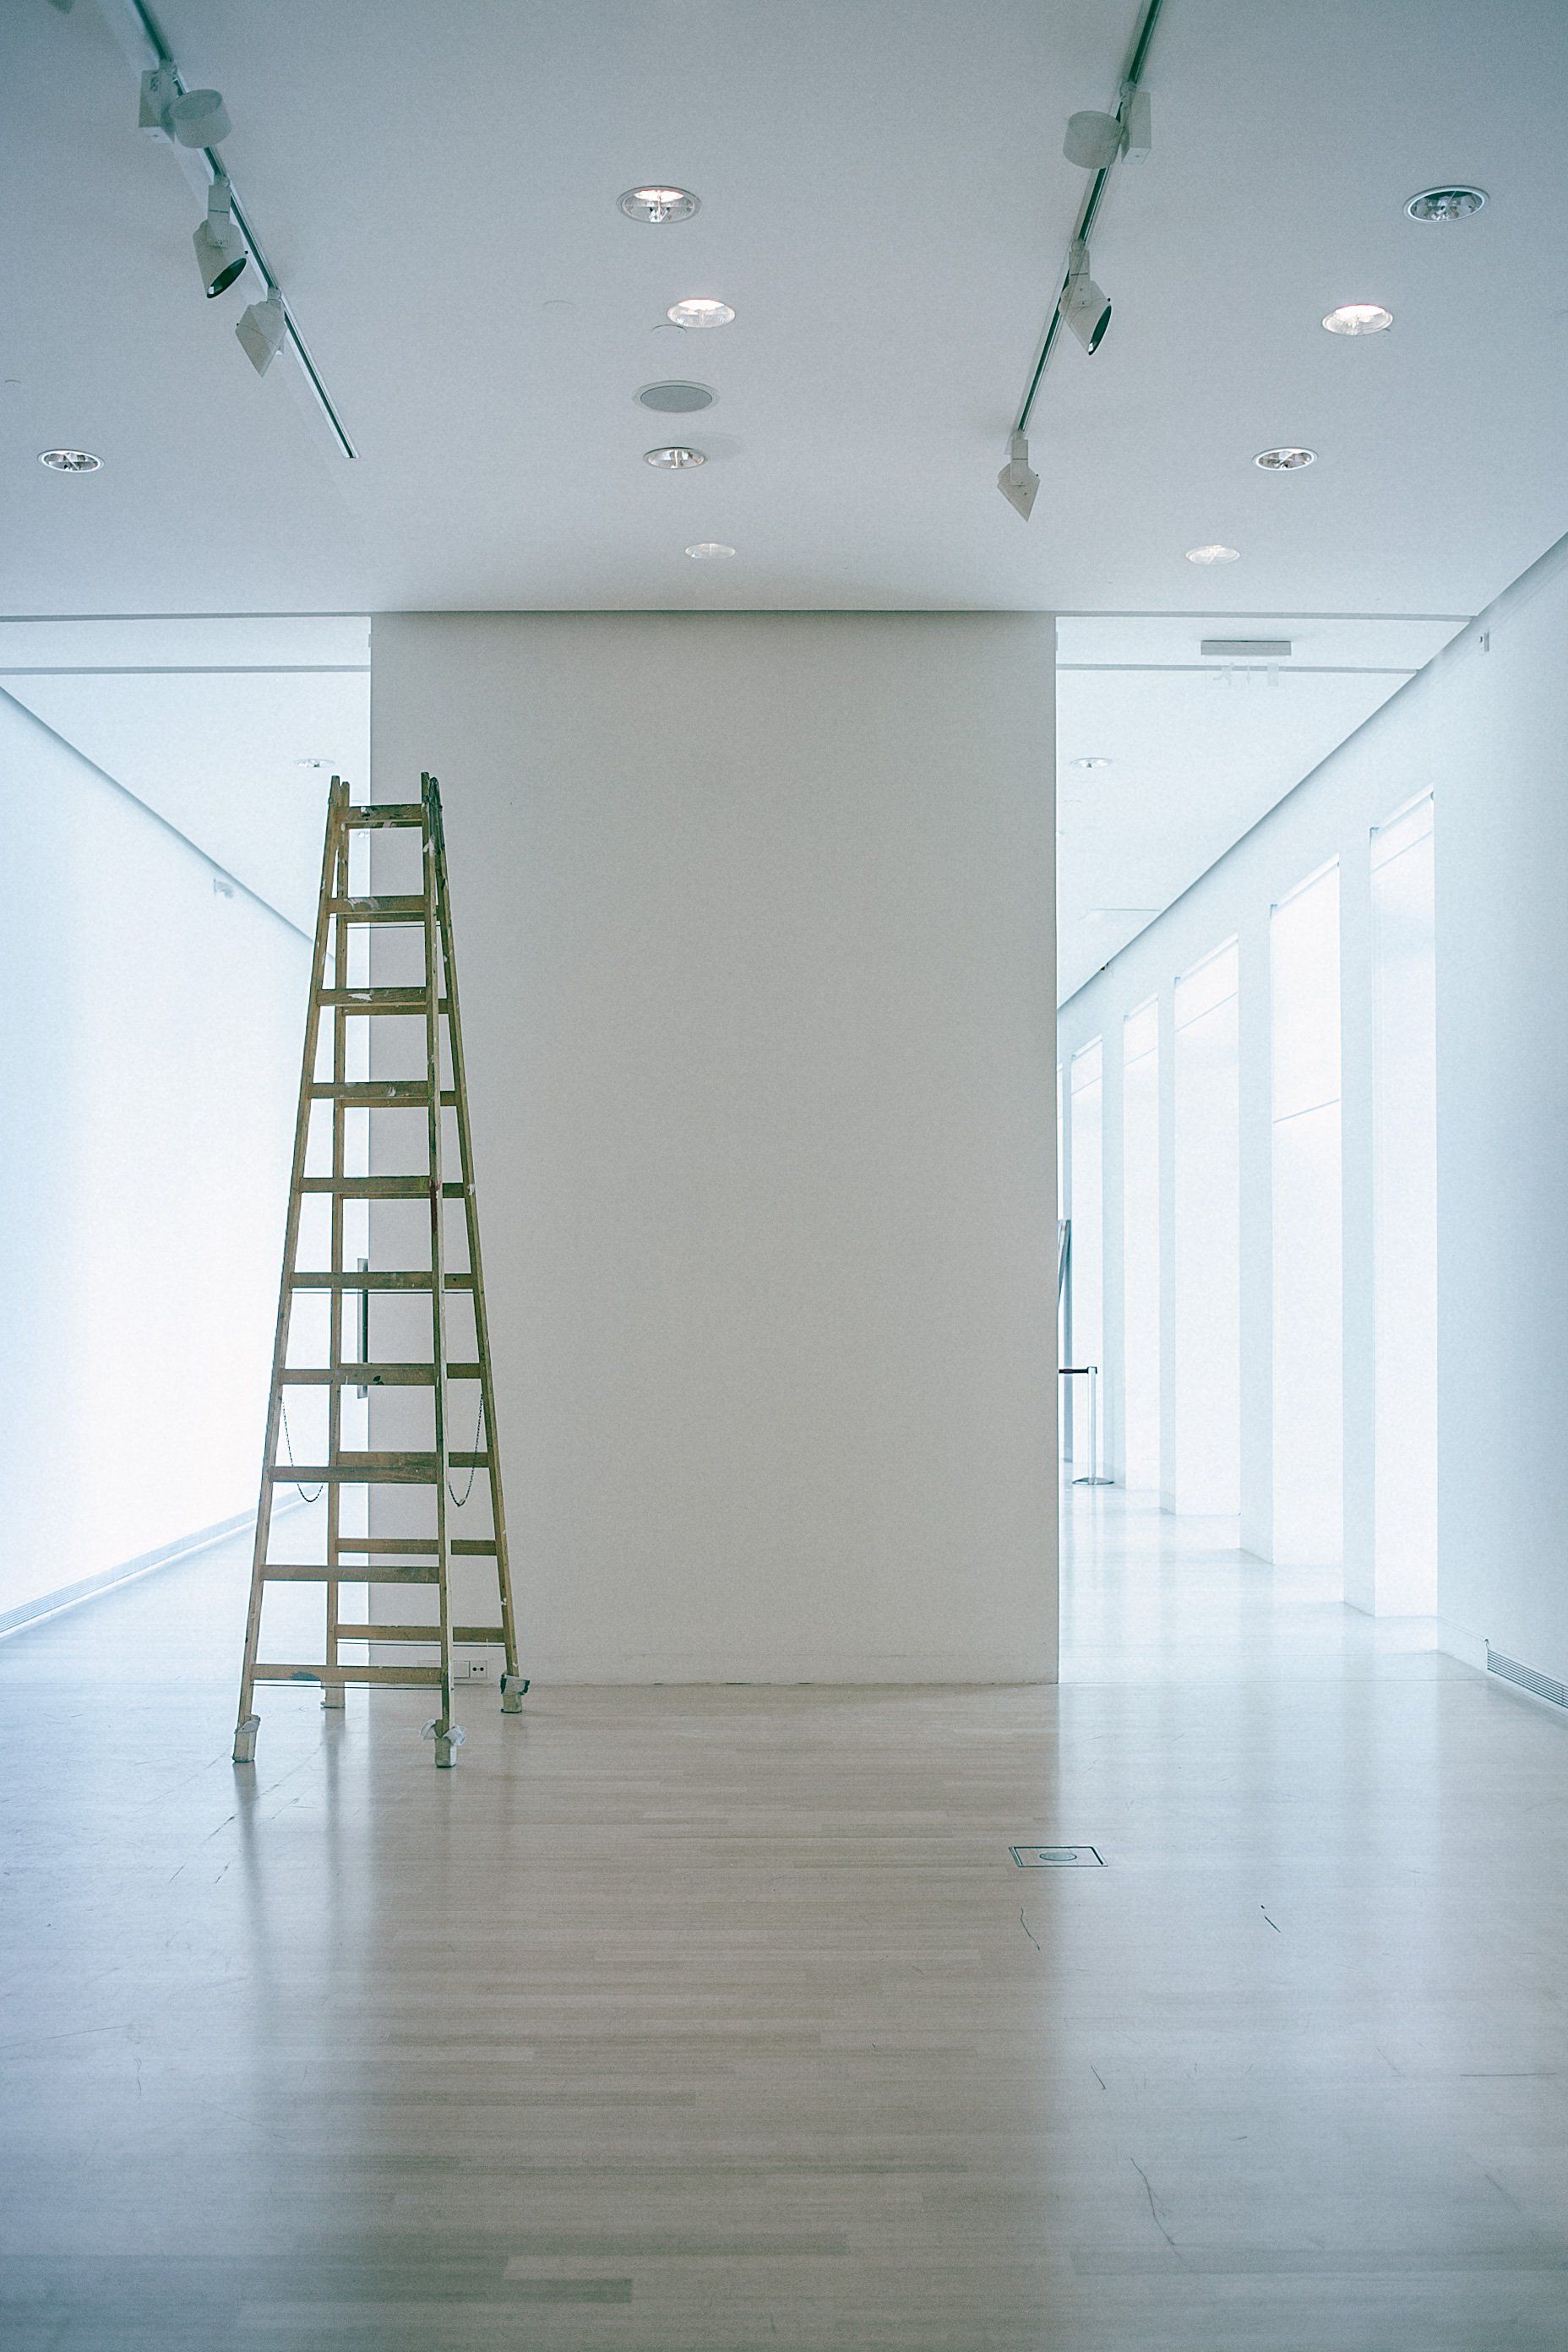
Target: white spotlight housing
221,251
1093,142
1016,482
160,89
1083,306
200,118
261,330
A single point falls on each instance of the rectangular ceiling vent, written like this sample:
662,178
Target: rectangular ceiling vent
1542,1685
1246,648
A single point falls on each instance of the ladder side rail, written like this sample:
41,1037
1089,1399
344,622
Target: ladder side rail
443,1727
332,1692
245,1735
471,1222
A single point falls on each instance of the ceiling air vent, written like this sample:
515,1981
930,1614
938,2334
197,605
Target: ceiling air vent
1246,648
677,399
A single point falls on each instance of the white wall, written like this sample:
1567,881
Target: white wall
754,919
152,1033
1485,728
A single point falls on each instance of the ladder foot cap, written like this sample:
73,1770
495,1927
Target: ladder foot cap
245,1739
512,1687
446,1742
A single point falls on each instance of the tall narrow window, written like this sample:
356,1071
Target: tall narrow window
1308,1253
1088,1247
1405,1183
1207,1271
1141,1245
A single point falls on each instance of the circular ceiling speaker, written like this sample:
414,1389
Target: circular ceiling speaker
677,399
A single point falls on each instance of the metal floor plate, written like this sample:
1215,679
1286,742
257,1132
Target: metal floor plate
1062,1857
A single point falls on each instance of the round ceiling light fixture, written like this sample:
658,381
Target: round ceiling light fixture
658,204
699,311
1285,461
69,461
673,460
1214,554
706,548
1445,204
677,399
1358,318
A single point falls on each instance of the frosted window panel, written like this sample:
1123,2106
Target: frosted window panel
1307,1243
1087,1202
1141,1245
1207,1270
1405,1180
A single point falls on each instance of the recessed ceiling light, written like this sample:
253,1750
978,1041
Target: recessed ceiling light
677,399
657,205
1096,760
1214,554
1445,204
707,547
1358,318
1285,461
699,311
69,461
671,460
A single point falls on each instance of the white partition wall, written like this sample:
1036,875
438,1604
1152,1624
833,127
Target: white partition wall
1087,1127
754,921
1207,1334
1141,1245
1405,1177
1308,1508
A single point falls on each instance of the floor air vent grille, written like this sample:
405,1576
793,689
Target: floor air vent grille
1542,1685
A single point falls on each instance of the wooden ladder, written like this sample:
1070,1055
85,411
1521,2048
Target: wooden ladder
375,1560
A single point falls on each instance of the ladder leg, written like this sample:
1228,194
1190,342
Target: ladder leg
332,1693
447,1736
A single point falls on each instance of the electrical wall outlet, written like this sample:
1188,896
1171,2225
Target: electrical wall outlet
476,1665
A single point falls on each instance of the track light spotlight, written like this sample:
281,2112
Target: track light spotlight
200,118
1016,483
1083,306
1093,142
221,251
260,329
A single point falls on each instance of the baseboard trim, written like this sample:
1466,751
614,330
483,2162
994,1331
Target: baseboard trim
884,1672
1458,1642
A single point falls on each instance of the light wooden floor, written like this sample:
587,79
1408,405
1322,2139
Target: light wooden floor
681,2020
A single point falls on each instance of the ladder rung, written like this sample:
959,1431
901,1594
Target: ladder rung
380,1000
297,1573
381,909
411,1677
474,1547
478,1633
380,1188
374,813
381,1547
416,1278
388,1093
389,1633
373,1376
373,1470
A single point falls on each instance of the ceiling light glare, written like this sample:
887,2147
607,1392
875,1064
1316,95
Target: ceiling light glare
708,548
1445,204
1214,554
1016,482
261,330
1095,759
200,118
1083,306
1285,461
1358,318
69,461
699,311
221,251
673,460
658,204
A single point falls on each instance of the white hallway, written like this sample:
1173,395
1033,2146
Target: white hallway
723,2017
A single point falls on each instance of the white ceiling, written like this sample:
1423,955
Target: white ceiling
886,204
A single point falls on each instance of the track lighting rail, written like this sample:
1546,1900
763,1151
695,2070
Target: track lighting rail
136,14
1088,211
